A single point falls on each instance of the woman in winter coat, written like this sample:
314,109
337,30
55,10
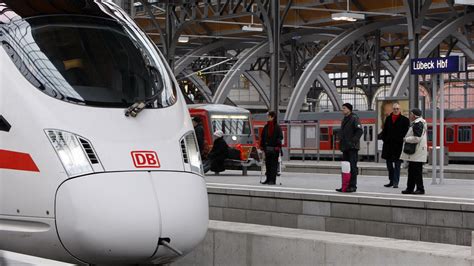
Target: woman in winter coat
270,143
416,135
218,154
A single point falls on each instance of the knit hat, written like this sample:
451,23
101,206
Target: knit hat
219,133
348,105
416,111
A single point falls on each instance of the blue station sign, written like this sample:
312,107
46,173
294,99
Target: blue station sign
435,65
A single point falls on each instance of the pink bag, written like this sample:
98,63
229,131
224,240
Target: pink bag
346,175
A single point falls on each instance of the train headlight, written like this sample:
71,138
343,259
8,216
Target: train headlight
191,156
70,152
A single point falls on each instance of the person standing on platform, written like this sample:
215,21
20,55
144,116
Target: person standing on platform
350,133
199,130
394,130
415,151
270,143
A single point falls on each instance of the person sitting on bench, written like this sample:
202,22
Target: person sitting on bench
217,155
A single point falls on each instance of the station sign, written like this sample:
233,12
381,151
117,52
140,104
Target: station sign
420,66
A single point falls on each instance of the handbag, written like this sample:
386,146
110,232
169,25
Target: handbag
409,148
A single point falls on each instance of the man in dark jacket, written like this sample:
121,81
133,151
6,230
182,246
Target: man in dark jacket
394,130
349,143
270,143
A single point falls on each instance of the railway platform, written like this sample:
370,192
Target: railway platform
456,171
308,201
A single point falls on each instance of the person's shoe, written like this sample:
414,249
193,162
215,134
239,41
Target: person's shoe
351,189
271,183
407,191
339,189
395,186
388,185
419,192
264,182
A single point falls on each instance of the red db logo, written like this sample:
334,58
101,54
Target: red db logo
145,159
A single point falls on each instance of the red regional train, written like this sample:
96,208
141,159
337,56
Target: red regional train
236,124
458,133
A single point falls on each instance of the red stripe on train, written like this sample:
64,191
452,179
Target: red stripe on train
17,161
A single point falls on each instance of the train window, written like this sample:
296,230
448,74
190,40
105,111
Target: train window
430,134
368,133
465,134
324,134
90,61
449,134
256,133
231,124
335,133
371,133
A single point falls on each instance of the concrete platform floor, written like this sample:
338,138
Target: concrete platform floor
453,190
465,167
456,171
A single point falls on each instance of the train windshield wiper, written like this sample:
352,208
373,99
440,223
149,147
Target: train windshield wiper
76,100
138,106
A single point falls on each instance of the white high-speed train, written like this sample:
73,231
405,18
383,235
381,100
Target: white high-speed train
98,158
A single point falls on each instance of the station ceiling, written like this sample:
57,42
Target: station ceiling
217,20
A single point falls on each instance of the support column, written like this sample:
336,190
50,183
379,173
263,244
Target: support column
413,42
441,129
275,58
413,91
434,140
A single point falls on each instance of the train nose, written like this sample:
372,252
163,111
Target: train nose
109,217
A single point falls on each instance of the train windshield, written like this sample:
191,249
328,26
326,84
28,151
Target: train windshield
231,124
88,60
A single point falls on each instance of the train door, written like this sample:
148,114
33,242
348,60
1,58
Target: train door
334,149
367,142
324,139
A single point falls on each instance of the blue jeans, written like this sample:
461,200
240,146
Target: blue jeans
393,167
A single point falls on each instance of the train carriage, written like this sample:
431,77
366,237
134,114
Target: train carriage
458,134
98,159
458,126
236,124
